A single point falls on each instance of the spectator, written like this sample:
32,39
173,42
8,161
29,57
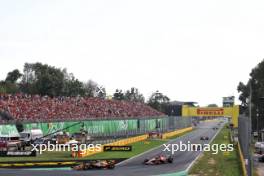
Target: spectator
34,107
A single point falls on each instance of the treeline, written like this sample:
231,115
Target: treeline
43,79
256,82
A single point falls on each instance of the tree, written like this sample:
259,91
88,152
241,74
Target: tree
2,88
256,81
134,95
72,86
43,79
244,93
13,76
118,95
90,88
158,101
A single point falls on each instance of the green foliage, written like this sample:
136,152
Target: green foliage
8,87
2,88
158,101
43,79
90,88
118,95
244,93
130,95
13,76
134,95
256,81
218,164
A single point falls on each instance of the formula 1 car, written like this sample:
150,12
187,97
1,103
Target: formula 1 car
204,138
215,128
99,164
160,159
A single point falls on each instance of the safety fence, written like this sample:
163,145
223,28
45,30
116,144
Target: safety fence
107,128
8,130
243,142
242,159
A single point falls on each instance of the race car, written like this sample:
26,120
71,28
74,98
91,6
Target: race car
160,159
204,138
99,164
215,128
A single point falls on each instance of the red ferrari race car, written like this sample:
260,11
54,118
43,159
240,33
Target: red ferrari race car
160,159
99,164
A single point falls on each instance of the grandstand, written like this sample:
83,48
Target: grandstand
32,108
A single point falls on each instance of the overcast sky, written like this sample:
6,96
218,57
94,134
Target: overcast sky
191,50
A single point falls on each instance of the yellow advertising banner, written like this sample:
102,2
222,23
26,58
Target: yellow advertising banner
230,112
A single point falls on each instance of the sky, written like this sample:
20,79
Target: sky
189,50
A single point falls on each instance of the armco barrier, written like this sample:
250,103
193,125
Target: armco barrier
117,143
244,170
174,133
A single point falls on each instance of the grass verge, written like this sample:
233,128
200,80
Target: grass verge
137,148
221,164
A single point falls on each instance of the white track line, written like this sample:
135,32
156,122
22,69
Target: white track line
192,163
149,150
137,155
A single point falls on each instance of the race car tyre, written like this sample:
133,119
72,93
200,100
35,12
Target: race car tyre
111,166
145,161
170,160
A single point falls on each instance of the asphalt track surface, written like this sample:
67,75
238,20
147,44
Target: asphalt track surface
134,166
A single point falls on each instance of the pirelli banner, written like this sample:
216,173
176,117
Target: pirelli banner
230,112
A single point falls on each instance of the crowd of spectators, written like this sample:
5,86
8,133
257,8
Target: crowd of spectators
35,107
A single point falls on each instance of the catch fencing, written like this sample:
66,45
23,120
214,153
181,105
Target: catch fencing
114,128
107,129
244,142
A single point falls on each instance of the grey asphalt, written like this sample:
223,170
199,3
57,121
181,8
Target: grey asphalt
134,166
